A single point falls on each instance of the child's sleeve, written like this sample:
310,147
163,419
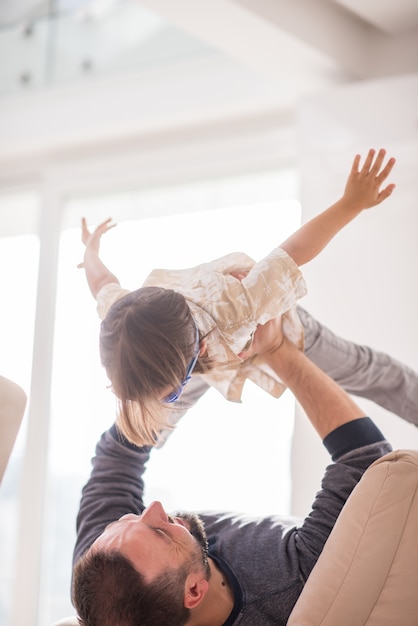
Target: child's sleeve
274,285
107,296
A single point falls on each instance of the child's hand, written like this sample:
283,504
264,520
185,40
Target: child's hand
362,190
92,239
89,238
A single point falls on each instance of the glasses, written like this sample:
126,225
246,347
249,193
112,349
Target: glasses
175,395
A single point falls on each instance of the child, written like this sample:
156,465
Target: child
201,321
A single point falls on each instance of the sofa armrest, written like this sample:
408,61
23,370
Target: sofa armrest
12,408
368,570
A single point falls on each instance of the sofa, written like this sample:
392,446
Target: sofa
12,408
368,570
367,573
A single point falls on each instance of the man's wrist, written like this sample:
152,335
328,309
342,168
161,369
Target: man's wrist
280,354
285,342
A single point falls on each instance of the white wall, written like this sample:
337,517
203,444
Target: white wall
363,286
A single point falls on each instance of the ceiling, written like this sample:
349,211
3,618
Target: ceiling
391,17
91,72
53,41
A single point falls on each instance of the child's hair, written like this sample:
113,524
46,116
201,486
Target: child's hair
147,339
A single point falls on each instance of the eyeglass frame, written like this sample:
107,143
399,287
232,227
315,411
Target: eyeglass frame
175,395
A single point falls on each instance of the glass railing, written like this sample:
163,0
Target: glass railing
63,41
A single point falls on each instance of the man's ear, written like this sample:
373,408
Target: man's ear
195,590
203,346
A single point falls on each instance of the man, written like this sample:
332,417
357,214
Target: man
137,565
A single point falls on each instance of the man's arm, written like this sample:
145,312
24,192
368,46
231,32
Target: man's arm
97,274
352,439
362,191
325,403
115,487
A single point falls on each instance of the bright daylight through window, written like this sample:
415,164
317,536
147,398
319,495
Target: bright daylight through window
261,212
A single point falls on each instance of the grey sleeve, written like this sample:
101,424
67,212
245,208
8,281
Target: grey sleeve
115,487
339,480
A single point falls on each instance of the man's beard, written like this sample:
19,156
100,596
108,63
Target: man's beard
197,530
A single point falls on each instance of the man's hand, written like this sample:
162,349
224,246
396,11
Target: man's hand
267,338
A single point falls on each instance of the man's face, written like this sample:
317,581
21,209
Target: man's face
155,541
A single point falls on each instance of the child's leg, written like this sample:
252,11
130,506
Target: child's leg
362,371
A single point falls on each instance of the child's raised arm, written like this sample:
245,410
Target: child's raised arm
362,191
97,273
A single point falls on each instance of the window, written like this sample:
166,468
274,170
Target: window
19,260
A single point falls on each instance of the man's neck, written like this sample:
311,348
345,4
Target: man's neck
218,602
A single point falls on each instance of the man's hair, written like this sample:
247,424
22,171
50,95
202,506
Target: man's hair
147,339
108,591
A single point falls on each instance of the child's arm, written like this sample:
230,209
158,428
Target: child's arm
361,192
97,273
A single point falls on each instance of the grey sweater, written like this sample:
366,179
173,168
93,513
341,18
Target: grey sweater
267,560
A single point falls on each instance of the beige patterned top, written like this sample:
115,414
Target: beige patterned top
227,311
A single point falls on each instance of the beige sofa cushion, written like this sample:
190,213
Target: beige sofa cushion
12,408
368,570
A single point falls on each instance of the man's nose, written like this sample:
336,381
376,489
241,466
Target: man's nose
154,513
